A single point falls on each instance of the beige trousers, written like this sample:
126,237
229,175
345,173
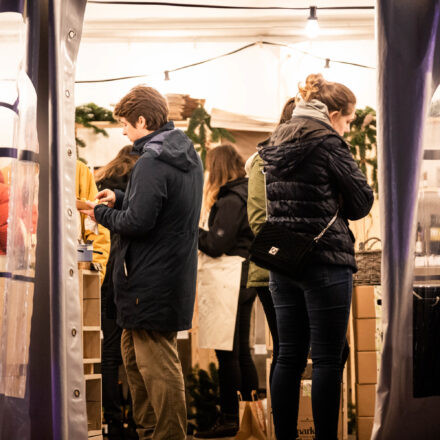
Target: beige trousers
156,384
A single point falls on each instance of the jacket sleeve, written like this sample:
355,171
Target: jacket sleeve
223,232
148,191
357,195
119,198
256,204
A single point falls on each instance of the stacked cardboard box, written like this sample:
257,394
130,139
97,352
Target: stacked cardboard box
306,426
368,337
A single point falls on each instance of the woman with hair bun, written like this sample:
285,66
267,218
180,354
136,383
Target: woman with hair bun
311,178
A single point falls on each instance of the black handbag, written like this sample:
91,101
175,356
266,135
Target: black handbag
282,250
279,249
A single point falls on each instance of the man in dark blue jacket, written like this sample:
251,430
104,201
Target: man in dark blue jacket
156,265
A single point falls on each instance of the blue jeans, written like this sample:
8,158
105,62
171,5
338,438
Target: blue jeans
311,313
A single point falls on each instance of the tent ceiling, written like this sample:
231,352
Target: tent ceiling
167,24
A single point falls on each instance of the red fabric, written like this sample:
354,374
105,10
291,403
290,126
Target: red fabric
4,211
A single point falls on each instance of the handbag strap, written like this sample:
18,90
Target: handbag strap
318,237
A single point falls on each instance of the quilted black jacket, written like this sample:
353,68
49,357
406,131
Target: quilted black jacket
309,173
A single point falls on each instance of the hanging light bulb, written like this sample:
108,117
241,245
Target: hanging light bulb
312,26
167,75
327,63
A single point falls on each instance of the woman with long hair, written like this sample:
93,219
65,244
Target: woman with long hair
222,284
114,175
312,178
117,172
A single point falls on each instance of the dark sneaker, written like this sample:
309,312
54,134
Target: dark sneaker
221,429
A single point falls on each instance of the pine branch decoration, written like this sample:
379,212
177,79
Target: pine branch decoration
199,127
85,115
363,144
203,389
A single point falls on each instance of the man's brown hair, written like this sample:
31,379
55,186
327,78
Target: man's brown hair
143,101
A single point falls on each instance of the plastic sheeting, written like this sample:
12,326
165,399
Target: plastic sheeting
408,39
22,175
18,212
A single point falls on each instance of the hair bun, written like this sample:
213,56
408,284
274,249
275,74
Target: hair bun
314,83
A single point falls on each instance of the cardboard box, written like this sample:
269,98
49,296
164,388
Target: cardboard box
365,334
365,400
306,426
363,302
305,401
378,301
364,427
366,367
306,429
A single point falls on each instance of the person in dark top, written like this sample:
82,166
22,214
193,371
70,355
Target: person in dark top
113,176
227,238
311,176
256,209
155,268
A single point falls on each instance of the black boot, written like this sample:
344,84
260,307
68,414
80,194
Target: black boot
225,426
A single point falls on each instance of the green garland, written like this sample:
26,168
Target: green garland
199,127
363,144
85,115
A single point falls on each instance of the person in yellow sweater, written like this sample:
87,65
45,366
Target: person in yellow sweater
86,190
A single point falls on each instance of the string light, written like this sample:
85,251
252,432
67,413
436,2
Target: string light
240,49
312,26
327,63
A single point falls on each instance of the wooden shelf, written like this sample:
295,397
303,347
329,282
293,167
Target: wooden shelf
92,328
92,361
90,299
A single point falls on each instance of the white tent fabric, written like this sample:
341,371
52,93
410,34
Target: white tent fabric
408,39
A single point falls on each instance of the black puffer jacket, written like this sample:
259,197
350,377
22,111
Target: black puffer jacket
310,172
229,232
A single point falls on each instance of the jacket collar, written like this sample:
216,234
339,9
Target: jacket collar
139,144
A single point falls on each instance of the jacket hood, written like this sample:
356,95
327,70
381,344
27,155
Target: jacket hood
237,186
292,142
170,145
313,109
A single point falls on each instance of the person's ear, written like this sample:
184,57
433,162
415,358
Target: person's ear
141,123
334,115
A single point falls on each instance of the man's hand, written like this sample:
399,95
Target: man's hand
107,195
90,212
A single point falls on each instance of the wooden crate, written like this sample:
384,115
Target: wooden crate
90,298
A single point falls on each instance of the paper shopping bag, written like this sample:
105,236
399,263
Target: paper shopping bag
251,418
